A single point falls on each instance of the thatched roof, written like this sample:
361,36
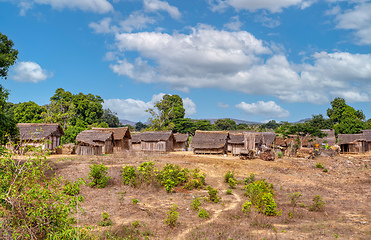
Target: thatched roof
236,139
269,138
209,140
118,133
38,131
350,138
156,136
135,138
279,141
180,137
94,137
367,134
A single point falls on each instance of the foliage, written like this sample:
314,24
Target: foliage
229,192
135,224
246,207
106,221
196,180
213,194
110,118
98,175
229,178
320,122
225,124
8,125
28,112
139,126
129,176
8,55
34,206
134,201
147,172
172,216
172,176
250,179
202,213
294,197
318,204
319,165
279,154
195,204
272,124
73,188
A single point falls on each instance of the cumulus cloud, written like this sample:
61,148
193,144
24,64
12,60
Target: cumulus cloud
358,20
157,5
234,24
222,105
97,6
261,108
29,72
136,21
135,109
253,5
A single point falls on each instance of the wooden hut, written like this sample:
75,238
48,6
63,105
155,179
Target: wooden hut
254,140
46,135
94,142
214,142
160,141
135,142
121,137
236,143
330,139
180,142
367,134
352,143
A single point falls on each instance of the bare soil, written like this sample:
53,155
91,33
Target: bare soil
345,188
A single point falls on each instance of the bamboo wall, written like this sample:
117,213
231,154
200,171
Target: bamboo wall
162,146
236,148
89,150
180,146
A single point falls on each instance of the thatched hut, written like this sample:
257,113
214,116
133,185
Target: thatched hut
214,142
121,137
46,135
367,134
352,143
236,143
160,141
135,142
254,140
330,139
94,142
181,142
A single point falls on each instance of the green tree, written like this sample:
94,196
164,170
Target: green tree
8,126
139,126
225,124
110,118
203,125
320,122
28,112
88,108
8,55
184,125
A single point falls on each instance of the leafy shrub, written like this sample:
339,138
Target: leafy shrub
269,205
98,175
250,179
129,176
319,165
135,224
73,189
172,176
134,201
324,170
195,204
318,204
147,172
279,154
294,197
202,213
246,207
230,179
213,194
196,180
229,192
172,216
106,221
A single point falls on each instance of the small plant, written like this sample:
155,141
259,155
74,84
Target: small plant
290,214
317,205
196,180
279,154
135,201
324,170
147,172
195,204
250,179
135,224
335,235
269,205
203,213
294,197
106,220
172,216
302,205
246,207
319,165
98,175
129,176
229,178
229,192
73,189
213,194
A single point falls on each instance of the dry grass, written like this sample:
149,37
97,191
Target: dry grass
345,188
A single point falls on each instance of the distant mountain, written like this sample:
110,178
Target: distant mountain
127,122
303,120
238,121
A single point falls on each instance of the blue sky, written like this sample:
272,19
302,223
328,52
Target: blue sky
247,59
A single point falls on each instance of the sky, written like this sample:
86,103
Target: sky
252,60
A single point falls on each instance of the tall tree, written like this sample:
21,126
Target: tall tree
8,55
110,118
28,112
320,122
225,124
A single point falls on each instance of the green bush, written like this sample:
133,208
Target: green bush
147,172
250,179
229,192
196,180
202,213
318,204
135,224
172,216
294,197
246,207
230,179
73,188
134,201
269,205
129,176
106,221
195,204
213,194
98,175
172,176
279,154
319,165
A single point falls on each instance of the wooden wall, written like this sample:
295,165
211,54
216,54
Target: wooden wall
210,151
162,146
180,146
89,150
236,148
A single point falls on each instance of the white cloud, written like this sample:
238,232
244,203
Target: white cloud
222,105
29,72
253,5
357,19
234,24
136,21
267,109
135,110
267,21
157,5
97,6
103,26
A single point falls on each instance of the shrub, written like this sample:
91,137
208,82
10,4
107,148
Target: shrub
269,205
246,207
196,180
229,178
279,154
172,175
129,176
147,172
195,204
106,221
98,175
135,224
294,197
319,165
203,213
134,201
229,191
172,216
213,194
324,170
73,189
249,179
318,204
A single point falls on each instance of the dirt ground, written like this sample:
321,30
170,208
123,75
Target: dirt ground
345,188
